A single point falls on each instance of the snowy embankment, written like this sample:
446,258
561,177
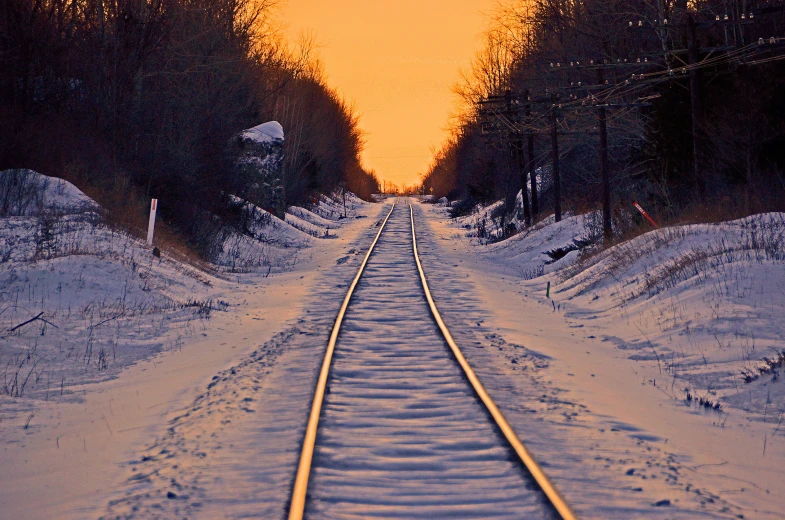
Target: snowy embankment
499,221
670,345
80,300
87,311
706,301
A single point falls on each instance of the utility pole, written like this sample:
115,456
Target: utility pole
517,153
555,159
527,217
343,192
606,182
661,24
696,104
530,149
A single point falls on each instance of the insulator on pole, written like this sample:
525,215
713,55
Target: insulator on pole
726,18
760,41
717,18
772,40
640,23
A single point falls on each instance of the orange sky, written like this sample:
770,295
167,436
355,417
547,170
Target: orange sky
397,61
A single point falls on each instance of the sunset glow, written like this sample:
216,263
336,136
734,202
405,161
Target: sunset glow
397,62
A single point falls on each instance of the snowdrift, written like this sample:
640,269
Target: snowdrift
28,193
545,248
78,300
311,217
705,303
332,208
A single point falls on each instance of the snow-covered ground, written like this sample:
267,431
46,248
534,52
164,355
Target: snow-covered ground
641,342
100,341
182,393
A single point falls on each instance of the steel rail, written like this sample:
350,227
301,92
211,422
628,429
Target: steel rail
526,458
300,489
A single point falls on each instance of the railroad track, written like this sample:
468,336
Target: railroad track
402,433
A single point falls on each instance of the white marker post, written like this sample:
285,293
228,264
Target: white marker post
151,225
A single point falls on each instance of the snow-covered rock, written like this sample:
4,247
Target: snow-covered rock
265,133
260,152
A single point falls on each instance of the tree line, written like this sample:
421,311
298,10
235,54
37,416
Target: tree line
132,99
687,95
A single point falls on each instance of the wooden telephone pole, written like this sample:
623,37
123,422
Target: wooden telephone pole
531,166
606,181
555,160
520,160
696,104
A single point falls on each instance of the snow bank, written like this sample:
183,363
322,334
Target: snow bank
664,258
266,228
332,207
305,226
311,217
79,302
264,241
545,248
27,193
706,302
258,241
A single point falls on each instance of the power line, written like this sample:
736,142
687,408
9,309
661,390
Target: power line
502,123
